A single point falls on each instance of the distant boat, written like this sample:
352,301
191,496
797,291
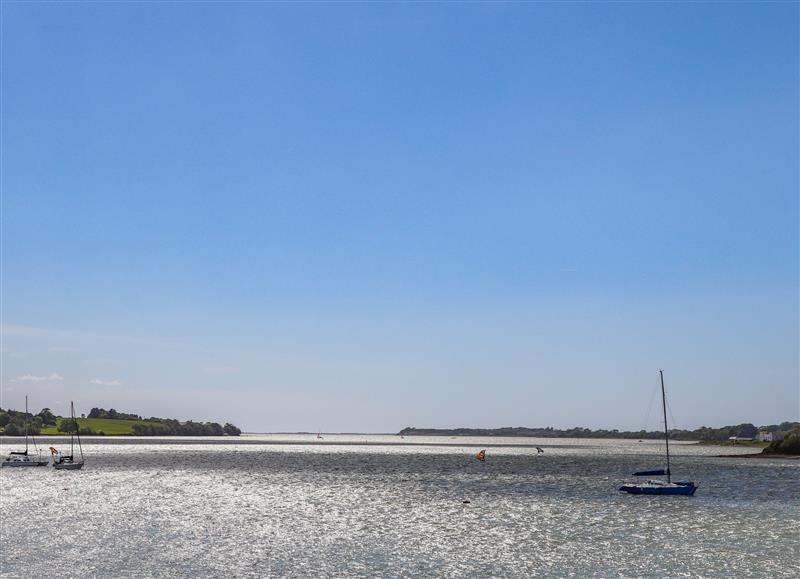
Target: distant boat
658,486
23,458
67,461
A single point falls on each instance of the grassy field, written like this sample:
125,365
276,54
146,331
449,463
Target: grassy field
106,425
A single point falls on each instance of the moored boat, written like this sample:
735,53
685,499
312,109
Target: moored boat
24,458
659,486
68,461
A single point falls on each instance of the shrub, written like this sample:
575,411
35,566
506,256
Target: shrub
789,445
13,430
231,430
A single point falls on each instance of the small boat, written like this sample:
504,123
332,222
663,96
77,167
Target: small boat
659,486
67,461
19,459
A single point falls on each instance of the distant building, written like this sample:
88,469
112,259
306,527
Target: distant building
765,436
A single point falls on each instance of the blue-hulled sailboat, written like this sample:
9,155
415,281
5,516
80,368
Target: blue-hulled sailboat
659,486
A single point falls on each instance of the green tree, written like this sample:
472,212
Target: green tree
66,426
212,429
231,430
12,429
789,445
47,417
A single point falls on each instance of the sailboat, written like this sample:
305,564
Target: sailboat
658,486
16,458
68,462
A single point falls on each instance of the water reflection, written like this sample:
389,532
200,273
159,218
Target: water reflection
291,505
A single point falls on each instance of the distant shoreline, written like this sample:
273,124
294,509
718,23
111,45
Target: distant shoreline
723,435
762,455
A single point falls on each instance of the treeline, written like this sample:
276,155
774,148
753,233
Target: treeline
740,431
154,426
163,427
13,421
703,433
111,414
170,427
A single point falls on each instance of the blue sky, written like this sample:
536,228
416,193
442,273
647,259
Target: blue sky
360,217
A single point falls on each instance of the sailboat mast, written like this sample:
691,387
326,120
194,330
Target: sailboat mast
666,432
77,432
72,435
26,424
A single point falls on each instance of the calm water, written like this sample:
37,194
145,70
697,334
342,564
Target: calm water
275,505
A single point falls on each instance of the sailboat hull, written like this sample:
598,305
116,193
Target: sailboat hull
67,465
685,489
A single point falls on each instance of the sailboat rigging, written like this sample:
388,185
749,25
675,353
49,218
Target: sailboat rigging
657,486
68,462
17,458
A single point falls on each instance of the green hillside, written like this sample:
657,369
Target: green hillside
108,422
99,425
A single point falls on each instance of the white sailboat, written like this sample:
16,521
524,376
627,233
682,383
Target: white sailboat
20,459
68,461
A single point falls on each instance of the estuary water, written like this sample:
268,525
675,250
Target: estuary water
368,505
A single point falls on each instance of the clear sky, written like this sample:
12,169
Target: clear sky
363,216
